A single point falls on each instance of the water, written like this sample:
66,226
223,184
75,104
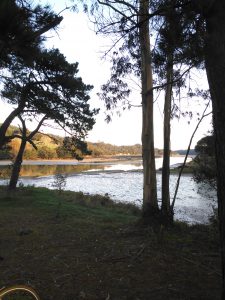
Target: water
123,181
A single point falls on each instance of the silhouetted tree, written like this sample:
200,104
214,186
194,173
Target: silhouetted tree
54,91
22,29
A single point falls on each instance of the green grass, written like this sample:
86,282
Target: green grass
92,248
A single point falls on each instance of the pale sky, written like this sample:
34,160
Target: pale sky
78,42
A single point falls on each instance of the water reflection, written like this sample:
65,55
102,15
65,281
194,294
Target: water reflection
48,170
123,181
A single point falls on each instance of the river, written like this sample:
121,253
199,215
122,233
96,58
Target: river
122,181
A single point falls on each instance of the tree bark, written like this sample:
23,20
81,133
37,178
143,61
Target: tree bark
19,158
5,125
215,67
17,166
166,212
150,203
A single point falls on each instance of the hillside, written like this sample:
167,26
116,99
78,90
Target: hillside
52,147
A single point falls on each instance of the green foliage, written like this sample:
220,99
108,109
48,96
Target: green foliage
45,152
51,87
73,148
5,152
68,148
59,182
206,146
22,26
99,149
30,154
204,166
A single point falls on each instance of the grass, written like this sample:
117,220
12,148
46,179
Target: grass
97,249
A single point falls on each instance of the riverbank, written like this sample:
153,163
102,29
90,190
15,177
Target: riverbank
125,160
87,159
72,246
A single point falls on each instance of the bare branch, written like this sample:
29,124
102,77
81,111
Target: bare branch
186,156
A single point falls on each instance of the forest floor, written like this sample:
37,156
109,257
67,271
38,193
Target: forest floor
71,246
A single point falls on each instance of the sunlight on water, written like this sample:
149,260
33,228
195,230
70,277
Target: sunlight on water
123,182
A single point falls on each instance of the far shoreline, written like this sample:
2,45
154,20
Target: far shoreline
102,159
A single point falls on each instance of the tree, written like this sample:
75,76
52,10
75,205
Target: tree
73,147
22,27
19,157
204,32
173,61
163,59
205,163
150,203
206,146
130,24
53,91
203,41
207,33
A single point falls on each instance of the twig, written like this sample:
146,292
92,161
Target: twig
139,252
202,266
186,156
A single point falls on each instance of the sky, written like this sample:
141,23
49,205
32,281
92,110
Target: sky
77,40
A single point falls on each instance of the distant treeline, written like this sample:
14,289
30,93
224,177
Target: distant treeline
183,152
52,147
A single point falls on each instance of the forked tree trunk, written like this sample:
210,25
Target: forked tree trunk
150,203
5,125
166,212
17,166
215,67
19,158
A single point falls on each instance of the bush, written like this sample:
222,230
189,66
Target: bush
46,153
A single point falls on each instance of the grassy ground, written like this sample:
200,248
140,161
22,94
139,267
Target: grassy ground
72,246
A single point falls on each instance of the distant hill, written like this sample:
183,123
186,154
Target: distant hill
51,147
183,152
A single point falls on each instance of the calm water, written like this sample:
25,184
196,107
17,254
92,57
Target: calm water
122,182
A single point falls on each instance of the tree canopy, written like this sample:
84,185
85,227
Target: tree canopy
51,87
22,29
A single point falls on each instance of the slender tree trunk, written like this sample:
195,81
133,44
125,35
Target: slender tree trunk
215,67
17,166
166,212
150,203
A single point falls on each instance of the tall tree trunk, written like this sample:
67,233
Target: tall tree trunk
166,212
150,203
17,166
215,67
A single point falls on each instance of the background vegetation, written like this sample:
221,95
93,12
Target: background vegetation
52,147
